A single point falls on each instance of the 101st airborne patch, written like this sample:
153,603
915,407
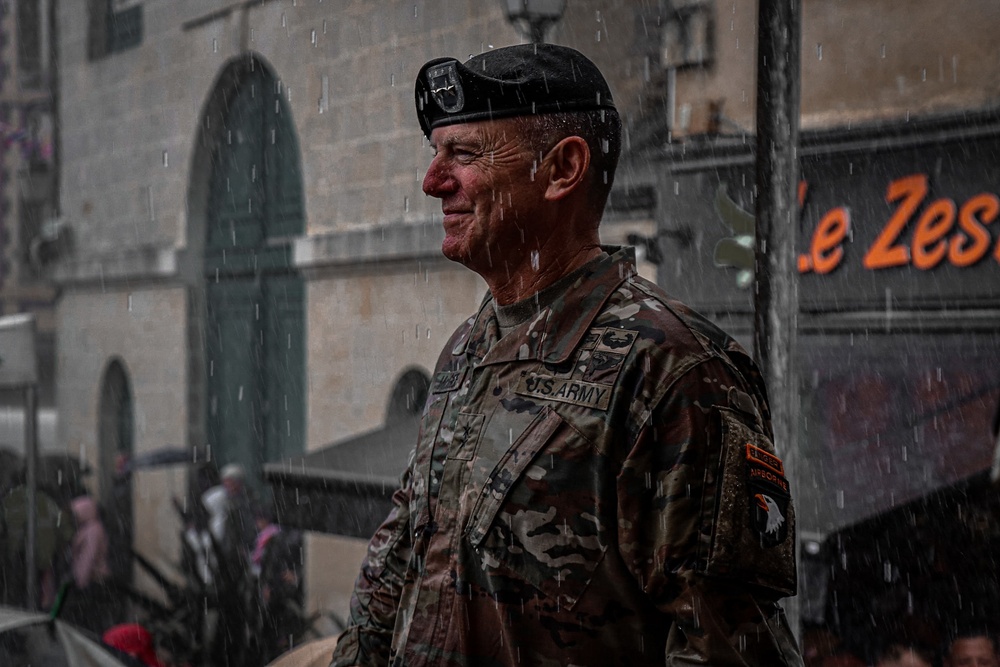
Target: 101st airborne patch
769,495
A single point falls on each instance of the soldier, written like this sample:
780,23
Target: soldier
594,481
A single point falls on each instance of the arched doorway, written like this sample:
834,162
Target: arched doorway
253,297
116,446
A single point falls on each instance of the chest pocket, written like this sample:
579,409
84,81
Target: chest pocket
538,516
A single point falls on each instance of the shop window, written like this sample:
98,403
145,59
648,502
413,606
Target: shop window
898,518
115,25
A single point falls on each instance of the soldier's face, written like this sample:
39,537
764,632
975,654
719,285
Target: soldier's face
483,176
972,652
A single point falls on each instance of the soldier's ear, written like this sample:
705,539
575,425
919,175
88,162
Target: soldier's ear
565,167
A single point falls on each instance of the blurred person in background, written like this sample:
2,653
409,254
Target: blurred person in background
241,529
973,646
275,564
92,604
900,655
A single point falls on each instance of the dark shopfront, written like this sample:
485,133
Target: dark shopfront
899,357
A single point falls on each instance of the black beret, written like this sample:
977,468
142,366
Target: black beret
513,81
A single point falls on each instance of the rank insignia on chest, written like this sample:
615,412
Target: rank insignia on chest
447,381
769,495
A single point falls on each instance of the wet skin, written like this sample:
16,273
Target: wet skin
484,178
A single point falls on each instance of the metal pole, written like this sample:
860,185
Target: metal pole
31,487
776,296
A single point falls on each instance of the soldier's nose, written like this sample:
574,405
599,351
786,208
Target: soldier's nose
437,181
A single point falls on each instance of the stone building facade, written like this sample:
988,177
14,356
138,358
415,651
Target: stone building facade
187,311
154,101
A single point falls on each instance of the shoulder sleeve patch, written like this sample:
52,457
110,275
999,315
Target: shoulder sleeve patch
753,529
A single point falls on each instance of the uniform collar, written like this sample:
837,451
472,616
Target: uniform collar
556,331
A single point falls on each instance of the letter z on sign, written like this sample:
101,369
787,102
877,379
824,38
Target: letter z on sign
550,388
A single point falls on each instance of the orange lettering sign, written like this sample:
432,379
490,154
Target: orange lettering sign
943,231
885,252
971,244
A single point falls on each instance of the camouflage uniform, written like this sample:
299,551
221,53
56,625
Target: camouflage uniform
598,487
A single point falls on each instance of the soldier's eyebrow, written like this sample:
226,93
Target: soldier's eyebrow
459,141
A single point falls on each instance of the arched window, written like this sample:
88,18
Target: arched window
116,433
254,298
408,396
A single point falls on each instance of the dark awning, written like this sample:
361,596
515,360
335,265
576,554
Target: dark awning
345,488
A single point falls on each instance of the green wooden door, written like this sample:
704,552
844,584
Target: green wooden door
255,355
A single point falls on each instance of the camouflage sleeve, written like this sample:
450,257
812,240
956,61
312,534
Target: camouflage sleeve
377,590
685,515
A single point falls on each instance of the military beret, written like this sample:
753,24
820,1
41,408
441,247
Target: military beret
512,81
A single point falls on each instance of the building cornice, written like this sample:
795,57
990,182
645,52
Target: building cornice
355,247
128,264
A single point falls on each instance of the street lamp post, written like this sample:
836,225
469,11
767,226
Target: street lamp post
776,305
534,17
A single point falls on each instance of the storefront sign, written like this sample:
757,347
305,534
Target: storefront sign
919,232
893,227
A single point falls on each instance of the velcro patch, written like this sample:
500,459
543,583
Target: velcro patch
447,381
768,496
603,367
565,390
618,341
765,458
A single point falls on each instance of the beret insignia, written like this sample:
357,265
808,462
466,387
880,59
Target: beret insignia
445,87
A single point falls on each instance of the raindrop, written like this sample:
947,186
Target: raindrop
406,204
215,45
883,51
130,303
534,260
312,37
166,159
819,52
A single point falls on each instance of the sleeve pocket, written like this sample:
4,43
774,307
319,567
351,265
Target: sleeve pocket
753,536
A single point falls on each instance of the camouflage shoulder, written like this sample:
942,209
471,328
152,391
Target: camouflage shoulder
703,329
